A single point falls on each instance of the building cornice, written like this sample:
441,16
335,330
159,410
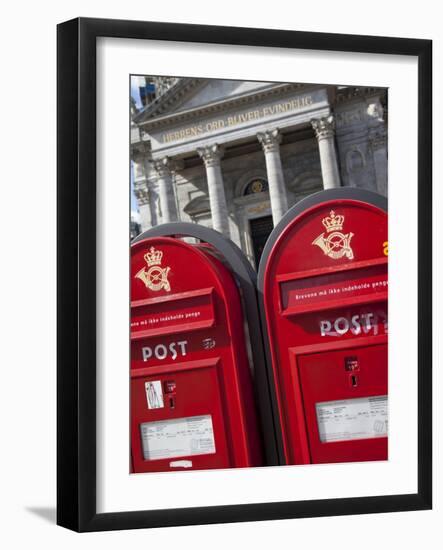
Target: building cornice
356,92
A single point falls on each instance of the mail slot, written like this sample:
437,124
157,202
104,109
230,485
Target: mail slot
323,285
192,403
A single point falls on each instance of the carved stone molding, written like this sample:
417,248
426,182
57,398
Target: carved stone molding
211,154
270,140
197,206
324,128
260,208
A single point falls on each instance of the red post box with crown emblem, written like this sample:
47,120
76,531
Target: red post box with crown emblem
323,287
192,404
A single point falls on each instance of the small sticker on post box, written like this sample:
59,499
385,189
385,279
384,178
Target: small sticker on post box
348,419
188,436
154,394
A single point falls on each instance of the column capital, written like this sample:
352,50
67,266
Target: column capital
324,127
211,154
163,166
270,140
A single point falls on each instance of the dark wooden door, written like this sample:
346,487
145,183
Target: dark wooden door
260,230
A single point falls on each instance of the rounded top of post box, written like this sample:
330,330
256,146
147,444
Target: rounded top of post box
164,266
233,255
325,230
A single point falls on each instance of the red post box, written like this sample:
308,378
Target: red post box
323,285
192,402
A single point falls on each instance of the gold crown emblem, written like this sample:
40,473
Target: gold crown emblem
154,257
333,222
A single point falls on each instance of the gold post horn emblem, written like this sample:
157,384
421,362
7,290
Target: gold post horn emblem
336,244
156,277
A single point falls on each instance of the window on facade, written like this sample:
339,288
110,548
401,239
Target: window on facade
258,185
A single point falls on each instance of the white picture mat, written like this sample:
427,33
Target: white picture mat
118,491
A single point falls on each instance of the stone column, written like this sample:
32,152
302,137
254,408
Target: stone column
166,193
211,155
324,130
270,141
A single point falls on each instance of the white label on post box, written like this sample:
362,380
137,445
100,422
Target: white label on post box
154,394
347,419
193,435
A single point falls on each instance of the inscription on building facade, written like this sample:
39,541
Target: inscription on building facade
236,119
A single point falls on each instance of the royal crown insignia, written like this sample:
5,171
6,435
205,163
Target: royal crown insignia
333,222
155,278
336,244
154,257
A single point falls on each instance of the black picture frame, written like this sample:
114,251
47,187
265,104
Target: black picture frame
76,264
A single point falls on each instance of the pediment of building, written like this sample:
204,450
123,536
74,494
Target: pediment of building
220,90
171,100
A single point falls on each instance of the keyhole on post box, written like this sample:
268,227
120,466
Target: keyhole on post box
352,365
170,388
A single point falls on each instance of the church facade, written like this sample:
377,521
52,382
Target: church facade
235,155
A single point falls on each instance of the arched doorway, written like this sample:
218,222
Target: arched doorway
259,227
